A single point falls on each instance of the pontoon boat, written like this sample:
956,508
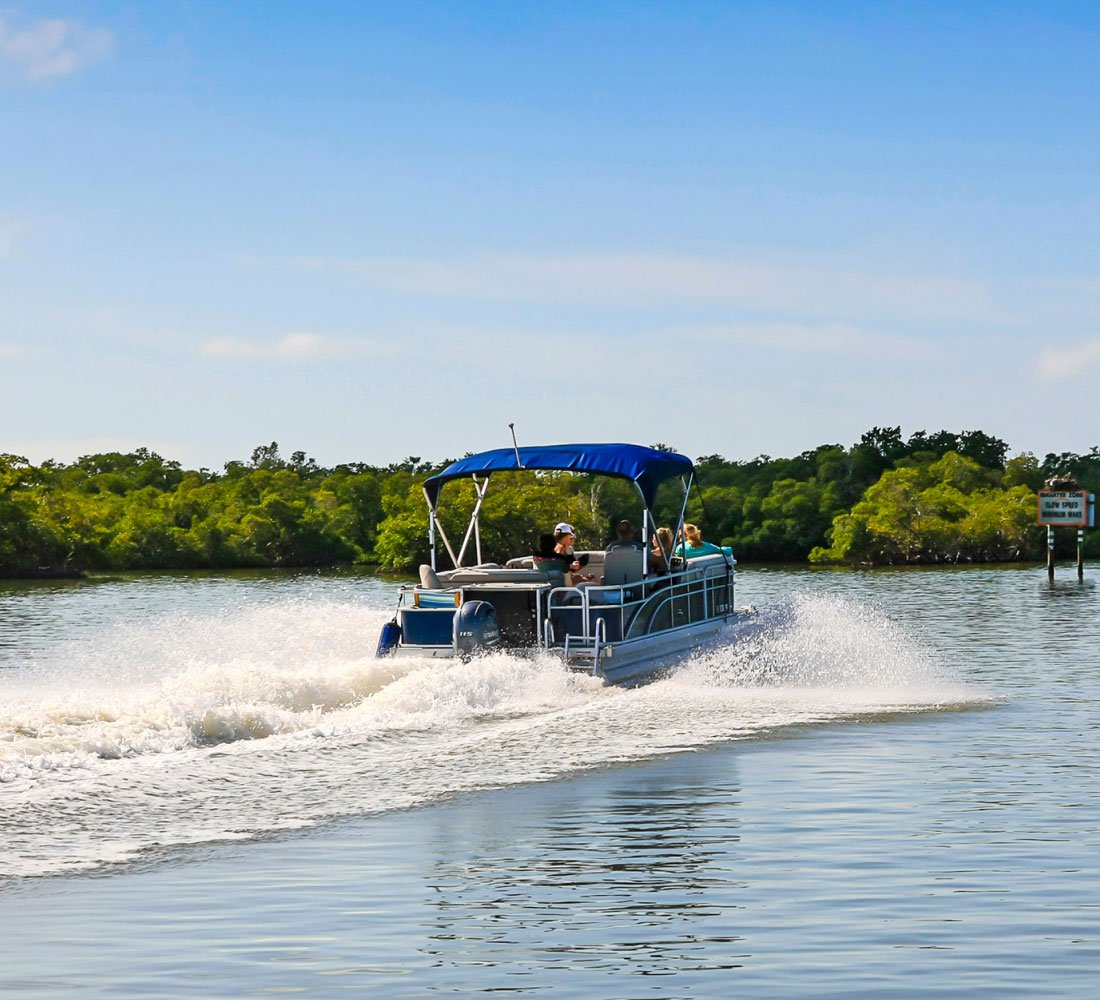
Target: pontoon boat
629,622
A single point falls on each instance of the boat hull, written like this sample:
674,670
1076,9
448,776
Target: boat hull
630,661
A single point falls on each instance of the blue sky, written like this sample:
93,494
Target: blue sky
372,230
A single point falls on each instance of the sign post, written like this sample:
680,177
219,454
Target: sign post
1063,505
1081,537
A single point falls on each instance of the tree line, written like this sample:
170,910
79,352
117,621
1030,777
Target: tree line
886,500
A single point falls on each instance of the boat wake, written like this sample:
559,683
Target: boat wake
247,721
833,645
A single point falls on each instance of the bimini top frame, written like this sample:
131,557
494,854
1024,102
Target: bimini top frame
647,468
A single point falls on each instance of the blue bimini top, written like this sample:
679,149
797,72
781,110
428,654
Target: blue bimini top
647,467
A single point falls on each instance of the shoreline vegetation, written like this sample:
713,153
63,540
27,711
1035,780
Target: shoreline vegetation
884,501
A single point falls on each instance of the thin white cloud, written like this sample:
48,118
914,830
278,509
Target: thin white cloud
10,350
832,339
1055,365
293,347
513,354
45,49
648,279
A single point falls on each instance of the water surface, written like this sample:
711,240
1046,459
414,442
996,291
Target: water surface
895,791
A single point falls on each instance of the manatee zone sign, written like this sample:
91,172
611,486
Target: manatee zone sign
1066,509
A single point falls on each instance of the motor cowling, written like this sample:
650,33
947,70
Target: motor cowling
475,628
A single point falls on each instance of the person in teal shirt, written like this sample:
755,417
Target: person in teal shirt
695,545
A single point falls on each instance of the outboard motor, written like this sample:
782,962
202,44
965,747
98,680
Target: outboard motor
475,628
388,639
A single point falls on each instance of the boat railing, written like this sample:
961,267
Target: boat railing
683,592
691,595
600,638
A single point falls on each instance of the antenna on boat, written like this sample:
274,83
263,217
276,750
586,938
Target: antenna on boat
519,462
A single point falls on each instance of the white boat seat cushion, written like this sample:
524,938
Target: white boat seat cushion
429,579
462,577
594,565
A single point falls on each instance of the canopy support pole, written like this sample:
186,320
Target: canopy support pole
434,525
475,527
683,509
447,542
647,518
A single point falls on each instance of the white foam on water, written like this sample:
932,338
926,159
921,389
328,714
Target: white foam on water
813,659
844,652
183,681
195,728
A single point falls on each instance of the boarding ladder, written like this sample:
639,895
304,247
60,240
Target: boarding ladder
588,650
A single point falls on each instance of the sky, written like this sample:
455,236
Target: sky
374,230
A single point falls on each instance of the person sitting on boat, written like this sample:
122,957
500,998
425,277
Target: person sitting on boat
660,551
694,546
624,538
547,559
563,537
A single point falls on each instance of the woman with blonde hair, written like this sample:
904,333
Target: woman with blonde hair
694,545
660,550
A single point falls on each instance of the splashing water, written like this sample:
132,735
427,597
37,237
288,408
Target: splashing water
187,728
187,681
831,644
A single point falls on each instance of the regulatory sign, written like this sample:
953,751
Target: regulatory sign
1067,508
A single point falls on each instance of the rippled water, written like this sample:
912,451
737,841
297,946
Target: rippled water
890,788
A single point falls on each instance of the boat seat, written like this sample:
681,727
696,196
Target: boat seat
595,562
464,577
594,565
429,579
697,565
623,565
